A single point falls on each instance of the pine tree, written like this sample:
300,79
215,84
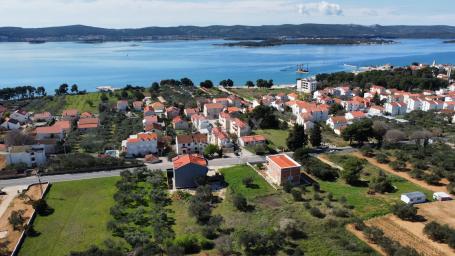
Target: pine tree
316,136
297,138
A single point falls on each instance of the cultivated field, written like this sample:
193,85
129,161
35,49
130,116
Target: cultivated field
411,233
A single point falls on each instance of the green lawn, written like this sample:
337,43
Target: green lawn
368,206
79,220
86,102
234,176
275,137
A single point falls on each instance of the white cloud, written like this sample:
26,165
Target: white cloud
320,8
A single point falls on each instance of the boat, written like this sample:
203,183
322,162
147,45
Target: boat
302,70
36,41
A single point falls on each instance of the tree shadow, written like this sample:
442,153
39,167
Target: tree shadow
253,186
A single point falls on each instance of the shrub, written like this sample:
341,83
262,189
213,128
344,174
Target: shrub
405,211
381,183
317,213
417,174
432,179
296,194
440,233
382,158
287,186
41,207
316,187
247,181
240,202
342,213
451,187
317,196
189,243
366,151
398,165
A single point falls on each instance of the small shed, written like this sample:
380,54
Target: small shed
441,196
413,197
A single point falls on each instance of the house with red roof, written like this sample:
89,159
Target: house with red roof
149,111
395,108
64,124
283,169
179,123
49,132
354,115
220,138
252,140
148,120
137,105
188,171
140,144
86,115
336,122
449,105
191,144
375,110
159,108
223,101
86,124
70,114
239,128
189,112
225,120
122,105
293,96
11,124
21,115
172,112
42,117
212,110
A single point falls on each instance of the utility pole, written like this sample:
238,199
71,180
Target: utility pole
39,180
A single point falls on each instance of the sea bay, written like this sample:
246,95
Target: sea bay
141,63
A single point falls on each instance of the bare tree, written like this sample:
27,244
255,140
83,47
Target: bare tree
394,136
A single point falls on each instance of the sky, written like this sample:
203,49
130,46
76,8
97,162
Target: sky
144,13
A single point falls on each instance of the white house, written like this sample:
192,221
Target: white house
413,197
336,122
31,155
212,110
252,140
11,124
122,105
375,110
190,144
220,138
201,123
395,108
140,144
428,105
239,128
354,115
441,196
21,116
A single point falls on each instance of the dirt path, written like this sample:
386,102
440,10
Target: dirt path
403,175
324,159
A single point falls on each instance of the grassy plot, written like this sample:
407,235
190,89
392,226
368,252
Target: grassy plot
80,218
276,137
368,206
86,102
235,175
254,93
272,207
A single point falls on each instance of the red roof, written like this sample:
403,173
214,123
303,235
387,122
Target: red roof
253,138
151,119
180,161
214,106
70,112
86,115
338,119
219,133
283,161
48,130
240,123
190,111
42,115
357,114
177,119
65,125
87,123
137,104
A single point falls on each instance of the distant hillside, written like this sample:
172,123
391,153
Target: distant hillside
86,33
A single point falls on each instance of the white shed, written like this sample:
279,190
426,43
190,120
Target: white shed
413,197
441,196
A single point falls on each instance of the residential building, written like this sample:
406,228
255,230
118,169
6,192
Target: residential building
179,124
395,108
149,111
122,105
222,101
11,124
234,101
31,155
252,140
428,105
42,117
21,116
189,112
86,124
190,144
201,123
212,110
50,132
239,128
158,107
375,110
220,138
225,121
70,114
64,124
282,169
413,104
449,105
306,85
336,122
86,115
172,112
354,115
188,170
140,144
293,96
137,105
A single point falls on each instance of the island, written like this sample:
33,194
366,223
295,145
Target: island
312,41
450,42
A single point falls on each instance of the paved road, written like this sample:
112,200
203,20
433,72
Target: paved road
92,175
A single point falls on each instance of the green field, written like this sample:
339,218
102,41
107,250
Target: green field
86,102
234,176
80,217
276,137
368,206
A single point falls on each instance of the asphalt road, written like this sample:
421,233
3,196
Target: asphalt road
222,162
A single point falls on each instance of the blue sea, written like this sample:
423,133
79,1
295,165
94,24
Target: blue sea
141,63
